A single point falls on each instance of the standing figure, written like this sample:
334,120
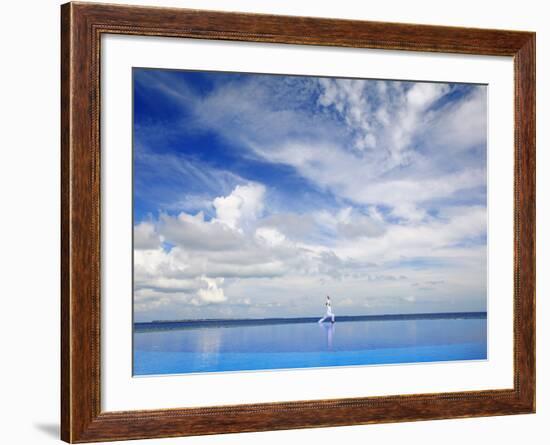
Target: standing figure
329,313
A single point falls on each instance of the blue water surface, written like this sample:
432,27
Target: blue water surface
305,345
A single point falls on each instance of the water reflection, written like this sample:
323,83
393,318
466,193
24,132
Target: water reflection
312,337
328,329
211,341
273,346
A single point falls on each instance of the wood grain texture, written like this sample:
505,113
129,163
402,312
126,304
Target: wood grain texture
81,28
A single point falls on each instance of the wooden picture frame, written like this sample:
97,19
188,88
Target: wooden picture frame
82,25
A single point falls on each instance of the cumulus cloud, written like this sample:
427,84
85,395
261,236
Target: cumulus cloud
194,232
241,207
270,236
212,293
145,236
291,225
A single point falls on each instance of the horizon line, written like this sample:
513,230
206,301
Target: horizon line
313,317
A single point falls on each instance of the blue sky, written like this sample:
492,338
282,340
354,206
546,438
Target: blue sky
256,195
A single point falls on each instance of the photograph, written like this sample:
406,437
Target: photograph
290,221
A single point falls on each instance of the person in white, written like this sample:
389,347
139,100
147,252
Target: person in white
329,313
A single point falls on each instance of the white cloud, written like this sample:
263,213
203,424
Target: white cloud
382,115
438,239
353,225
386,120
150,301
212,293
348,98
194,232
423,94
241,207
462,125
412,191
270,236
267,267
291,225
354,178
145,236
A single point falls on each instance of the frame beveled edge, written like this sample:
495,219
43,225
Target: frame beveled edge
81,27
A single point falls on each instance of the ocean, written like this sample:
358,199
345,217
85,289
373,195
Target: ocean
197,346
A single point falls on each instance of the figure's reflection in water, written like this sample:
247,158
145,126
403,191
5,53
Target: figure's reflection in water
329,329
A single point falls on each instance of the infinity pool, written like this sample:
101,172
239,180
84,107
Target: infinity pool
192,348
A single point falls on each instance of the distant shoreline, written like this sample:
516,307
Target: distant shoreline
229,322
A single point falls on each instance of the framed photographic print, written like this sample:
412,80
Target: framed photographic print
275,222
